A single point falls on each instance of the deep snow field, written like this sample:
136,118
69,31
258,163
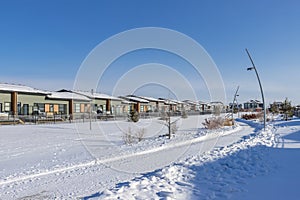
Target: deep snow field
70,161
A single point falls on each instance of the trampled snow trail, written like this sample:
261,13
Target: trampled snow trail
215,174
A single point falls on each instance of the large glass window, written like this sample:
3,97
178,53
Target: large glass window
128,108
25,109
62,108
19,108
7,107
113,110
77,107
41,107
51,108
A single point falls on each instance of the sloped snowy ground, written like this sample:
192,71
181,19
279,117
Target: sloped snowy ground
67,161
263,165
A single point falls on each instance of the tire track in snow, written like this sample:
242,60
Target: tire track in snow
117,158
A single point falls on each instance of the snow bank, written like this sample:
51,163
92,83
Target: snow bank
216,174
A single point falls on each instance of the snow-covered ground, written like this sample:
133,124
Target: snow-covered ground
68,161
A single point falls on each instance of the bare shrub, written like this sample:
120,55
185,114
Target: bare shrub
252,116
128,137
174,127
213,123
140,134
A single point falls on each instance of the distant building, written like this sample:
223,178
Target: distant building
140,105
21,100
103,103
253,105
155,105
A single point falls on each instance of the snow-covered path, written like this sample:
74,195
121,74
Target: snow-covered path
282,182
85,174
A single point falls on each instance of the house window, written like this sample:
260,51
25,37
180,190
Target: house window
112,109
51,108
25,109
7,107
62,108
0,107
142,108
41,107
77,107
128,108
104,108
19,108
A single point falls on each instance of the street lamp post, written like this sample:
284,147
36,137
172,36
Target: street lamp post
238,107
92,93
261,89
234,99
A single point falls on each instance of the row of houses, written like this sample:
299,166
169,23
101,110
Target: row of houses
22,100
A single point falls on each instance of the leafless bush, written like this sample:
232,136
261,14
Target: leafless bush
252,116
213,123
128,137
174,127
140,134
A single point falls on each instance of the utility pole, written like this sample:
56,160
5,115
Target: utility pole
261,89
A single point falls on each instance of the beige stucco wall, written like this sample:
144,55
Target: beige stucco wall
30,99
4,97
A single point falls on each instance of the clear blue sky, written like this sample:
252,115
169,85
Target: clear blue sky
43,43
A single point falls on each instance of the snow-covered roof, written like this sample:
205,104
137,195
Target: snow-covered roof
176,101
128,102
216,103
253,101
151,99
136,99
67,96
97,95
21,88
168,101
202,102
190,102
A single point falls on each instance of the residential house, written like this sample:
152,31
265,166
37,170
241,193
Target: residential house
155,105
65,102
253,105
169,105
141,105
20,99
104,103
